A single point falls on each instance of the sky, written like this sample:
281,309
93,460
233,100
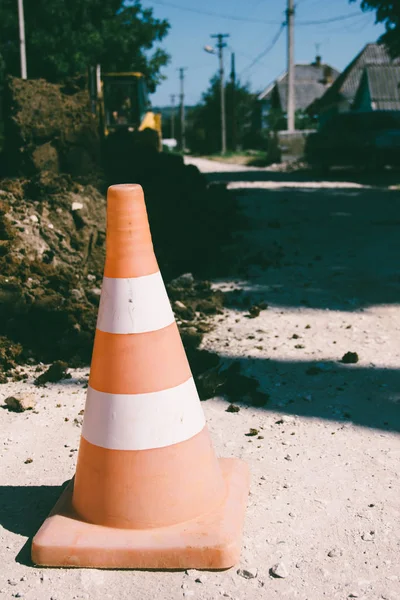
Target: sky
253,26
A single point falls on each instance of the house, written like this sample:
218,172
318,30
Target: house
310,83
341,95
379,89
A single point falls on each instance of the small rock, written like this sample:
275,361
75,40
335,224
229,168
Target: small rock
254,311
279,570
76,205
93,295
183,311
232,408
34,219
179,304
368,536
350,358
91,277
12,582
252,432
288,457
247,573
335,553
354,595
28,461
77,294
21,402
285,419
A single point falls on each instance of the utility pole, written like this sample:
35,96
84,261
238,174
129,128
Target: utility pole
233,82
182,107
173,116
22,46
290,65
221,45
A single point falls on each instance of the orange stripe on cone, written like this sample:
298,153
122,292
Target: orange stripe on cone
138,363
148,488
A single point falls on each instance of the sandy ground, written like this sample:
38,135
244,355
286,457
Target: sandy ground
325,495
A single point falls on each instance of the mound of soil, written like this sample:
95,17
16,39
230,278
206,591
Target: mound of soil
49,127
52,225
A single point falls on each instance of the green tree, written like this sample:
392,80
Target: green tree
204,120
63,37
387,12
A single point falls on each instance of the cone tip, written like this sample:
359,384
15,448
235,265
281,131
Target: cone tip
125,189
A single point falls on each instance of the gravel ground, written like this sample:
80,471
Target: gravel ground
324,503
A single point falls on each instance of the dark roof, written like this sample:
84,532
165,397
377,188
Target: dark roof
310,83
346,85
383,83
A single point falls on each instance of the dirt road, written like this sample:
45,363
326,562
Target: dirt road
324,502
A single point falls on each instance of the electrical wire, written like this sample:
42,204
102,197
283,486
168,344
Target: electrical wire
249,20
214,14
267,49
330,20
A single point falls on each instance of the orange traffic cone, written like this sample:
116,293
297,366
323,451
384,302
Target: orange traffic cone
148,491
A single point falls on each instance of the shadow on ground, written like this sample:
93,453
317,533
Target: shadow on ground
327,249
367,397
23,509
321,248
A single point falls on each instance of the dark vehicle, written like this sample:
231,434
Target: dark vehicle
370,139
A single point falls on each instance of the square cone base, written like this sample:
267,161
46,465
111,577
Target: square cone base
210,542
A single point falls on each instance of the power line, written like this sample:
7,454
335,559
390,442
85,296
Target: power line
267,49
330,20
249,20
213,14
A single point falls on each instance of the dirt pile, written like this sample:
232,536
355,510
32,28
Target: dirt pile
49,128
52,226
191,221
51,261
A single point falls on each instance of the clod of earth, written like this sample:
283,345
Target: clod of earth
350,358
252,432
232,408
57,371
255,310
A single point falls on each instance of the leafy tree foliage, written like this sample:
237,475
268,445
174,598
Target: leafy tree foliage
387,12
204,120
63,37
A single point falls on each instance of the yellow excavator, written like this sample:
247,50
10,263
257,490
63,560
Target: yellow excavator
122,104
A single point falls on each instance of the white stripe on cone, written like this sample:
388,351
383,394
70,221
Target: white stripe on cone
143,421
134,305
